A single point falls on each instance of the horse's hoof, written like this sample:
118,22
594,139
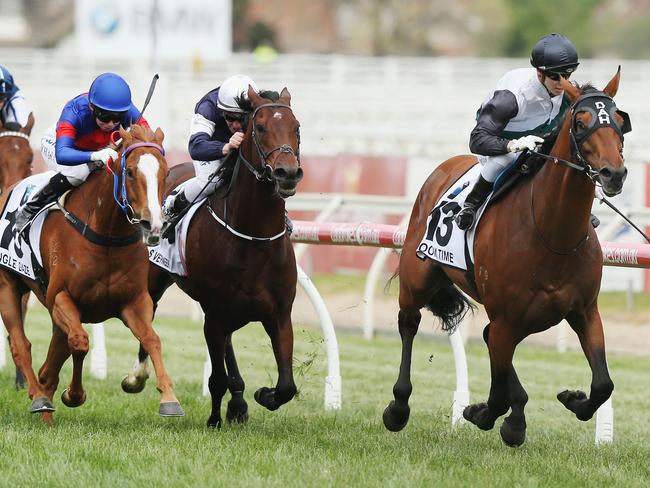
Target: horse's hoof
40,405
171,409
130,384
68,401
395,419
479,415
237,412
512,436
266,397
214,423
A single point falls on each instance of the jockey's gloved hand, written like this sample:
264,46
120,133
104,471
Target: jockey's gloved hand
104,155
527,142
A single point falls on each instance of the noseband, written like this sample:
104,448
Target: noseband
267,173
119,191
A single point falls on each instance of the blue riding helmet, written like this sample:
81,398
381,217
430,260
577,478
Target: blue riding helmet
7,87
110,92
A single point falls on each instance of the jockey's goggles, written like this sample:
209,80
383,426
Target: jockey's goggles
233,116
552,75
107,115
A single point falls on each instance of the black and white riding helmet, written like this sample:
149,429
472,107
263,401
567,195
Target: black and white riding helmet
554,53
233,88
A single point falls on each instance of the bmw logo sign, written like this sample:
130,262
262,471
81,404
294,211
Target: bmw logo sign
105,19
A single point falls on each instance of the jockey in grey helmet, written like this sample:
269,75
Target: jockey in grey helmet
13,108
526,107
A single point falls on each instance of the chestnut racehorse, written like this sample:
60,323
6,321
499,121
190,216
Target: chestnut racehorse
95,264
537,262
15,164
247,271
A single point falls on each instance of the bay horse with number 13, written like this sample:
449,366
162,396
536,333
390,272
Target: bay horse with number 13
537,261
95,264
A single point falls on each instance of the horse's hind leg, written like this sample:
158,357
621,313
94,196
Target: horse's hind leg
237,410
589,327
21,349
501,345
65,315
396,414
280,331
138,317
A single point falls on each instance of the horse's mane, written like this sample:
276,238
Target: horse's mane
13,126
226,170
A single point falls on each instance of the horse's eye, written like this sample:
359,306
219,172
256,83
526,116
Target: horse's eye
129,173
580,126
260,128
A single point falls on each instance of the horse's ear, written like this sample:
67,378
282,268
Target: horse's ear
285,96
254,97
30,124
126,137
159,135
612,86
570,90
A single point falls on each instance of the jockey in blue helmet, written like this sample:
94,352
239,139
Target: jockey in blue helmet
13,109
83,133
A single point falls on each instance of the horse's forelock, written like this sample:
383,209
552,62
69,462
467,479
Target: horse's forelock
246,105
142,133
587,88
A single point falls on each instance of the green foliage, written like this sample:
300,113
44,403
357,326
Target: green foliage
117,439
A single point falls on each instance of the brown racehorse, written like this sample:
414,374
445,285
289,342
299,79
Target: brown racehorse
15,153
247,272
537,262
15,164
95,269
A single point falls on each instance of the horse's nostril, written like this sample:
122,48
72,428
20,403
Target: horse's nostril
280,173
299,174
145,224
605,173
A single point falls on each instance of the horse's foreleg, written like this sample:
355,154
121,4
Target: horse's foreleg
48,376
135,381
66,316
237,410
218,382
138,317
396,414
589,327
501,345
281,333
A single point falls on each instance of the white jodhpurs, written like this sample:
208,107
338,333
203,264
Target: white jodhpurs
492,166
76,174
201,183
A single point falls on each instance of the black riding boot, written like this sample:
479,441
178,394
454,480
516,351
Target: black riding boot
179,204
465,218
54,188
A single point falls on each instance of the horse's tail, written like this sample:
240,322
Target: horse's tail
450,306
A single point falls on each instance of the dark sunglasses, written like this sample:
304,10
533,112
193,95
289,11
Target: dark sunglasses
232,117
107,116
556,76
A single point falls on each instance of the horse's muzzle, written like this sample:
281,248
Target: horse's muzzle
151,236
612,180
287,180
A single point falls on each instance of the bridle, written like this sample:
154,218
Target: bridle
267,172
14,133
119,190
602,116
602,112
